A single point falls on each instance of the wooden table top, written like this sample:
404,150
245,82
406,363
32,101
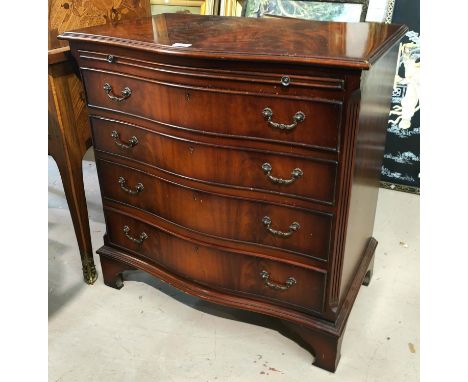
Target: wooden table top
347,45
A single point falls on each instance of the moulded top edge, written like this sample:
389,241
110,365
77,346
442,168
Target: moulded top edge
334,44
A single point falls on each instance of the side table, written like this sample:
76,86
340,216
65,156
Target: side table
69,138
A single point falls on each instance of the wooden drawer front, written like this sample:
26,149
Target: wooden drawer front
219,269
216,215
227,166
229,113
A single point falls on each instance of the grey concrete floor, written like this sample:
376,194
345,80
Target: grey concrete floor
149,331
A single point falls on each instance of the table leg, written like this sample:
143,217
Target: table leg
69,138
72,178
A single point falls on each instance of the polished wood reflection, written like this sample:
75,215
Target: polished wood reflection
306,41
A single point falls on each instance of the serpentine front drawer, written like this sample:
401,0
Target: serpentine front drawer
260,224
254,276
311,179
269,118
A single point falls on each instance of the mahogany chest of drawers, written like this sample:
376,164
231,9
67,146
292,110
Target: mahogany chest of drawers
239,159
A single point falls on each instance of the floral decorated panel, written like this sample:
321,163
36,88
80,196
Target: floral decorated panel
400,167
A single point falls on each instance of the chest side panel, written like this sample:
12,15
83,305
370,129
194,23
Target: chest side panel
376,90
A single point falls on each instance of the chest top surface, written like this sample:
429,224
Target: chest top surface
347,45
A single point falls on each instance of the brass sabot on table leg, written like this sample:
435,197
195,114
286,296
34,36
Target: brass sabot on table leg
89,271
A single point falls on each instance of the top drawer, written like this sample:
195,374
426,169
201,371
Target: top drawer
222,112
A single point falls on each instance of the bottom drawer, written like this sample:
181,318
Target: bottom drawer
278,282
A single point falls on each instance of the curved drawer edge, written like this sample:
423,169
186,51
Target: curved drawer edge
99,60
229,245
260,191
227,190
172,227
219,297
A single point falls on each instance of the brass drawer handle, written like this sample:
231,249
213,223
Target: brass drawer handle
140,240
126,92
133,141
138,188
295,174
268,114
292,228
288,284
